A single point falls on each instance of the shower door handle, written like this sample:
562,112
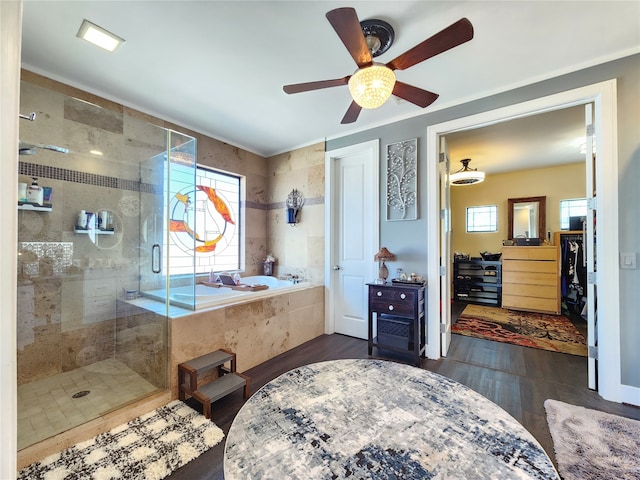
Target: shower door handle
156,266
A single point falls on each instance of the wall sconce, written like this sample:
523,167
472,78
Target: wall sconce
295,200
383,271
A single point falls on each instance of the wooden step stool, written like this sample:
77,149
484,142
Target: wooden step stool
228,379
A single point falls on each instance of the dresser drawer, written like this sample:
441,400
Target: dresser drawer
530,278
527,266
530,253
547,305
537,291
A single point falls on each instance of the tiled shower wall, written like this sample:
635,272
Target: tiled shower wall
60,322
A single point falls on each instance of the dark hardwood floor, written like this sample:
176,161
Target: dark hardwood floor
519,379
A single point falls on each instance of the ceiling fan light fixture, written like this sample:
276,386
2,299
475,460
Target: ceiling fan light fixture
372,86
466,175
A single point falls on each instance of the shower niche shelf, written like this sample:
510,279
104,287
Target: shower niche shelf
35,207
94,231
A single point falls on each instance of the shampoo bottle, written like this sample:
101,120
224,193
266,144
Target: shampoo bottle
35,193
82,219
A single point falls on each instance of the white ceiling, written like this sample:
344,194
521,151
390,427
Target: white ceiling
539,141
218,67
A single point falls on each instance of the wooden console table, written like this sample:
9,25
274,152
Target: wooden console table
400,318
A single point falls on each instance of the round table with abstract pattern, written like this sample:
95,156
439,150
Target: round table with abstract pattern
357,419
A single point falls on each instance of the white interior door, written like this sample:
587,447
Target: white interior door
354,217
589,247
445,248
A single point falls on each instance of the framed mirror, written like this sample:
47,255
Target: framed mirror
527,217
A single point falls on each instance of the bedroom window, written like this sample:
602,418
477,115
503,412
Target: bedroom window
573,207
482,219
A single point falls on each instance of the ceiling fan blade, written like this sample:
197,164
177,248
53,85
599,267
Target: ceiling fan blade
305,87
352,113
452,36
346,24
415,95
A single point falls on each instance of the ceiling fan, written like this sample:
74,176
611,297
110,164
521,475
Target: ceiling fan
373,83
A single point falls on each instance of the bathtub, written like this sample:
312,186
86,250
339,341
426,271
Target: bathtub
203,296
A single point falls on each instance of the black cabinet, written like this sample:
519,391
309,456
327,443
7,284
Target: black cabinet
398,311
477,281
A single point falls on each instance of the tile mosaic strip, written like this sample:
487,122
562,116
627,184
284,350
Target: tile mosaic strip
74,176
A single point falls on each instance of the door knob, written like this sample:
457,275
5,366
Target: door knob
337,267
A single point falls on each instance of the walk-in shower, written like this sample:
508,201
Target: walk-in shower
83,349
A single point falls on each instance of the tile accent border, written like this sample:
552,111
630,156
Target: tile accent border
74,176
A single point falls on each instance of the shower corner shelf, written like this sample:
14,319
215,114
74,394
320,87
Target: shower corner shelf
47,207
95,231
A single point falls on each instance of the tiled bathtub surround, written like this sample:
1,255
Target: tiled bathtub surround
255,331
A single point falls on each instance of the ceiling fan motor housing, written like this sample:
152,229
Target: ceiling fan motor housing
378,34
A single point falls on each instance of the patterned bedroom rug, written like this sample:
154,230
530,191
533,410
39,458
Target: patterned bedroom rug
593,445
537,330
149,447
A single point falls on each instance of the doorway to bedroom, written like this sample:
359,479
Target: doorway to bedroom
533,166
605,177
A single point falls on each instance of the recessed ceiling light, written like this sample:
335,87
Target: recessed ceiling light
99,36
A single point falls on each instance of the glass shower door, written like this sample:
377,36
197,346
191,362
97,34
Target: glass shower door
168,238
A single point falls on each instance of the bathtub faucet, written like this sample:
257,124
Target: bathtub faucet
292,278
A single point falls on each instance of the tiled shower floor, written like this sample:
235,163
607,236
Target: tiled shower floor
46,407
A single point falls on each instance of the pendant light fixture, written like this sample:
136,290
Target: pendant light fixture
466,175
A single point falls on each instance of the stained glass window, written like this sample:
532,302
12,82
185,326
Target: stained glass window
204,231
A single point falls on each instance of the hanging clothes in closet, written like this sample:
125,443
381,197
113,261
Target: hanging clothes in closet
573,274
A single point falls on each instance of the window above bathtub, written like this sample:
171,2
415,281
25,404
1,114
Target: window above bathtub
203,232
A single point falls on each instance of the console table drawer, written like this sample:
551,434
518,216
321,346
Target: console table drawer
395,308
391,295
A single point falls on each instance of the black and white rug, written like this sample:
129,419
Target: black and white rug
593,445
149,447
359,419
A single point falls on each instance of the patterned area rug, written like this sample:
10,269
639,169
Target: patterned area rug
538,330
363,419
593,445
149,447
